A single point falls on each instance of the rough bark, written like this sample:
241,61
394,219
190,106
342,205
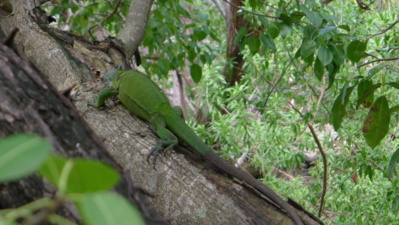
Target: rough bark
185,189
30,104
134,29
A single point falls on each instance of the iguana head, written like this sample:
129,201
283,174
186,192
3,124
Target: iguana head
110,78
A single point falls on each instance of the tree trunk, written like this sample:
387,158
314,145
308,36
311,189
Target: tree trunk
184,190
233,70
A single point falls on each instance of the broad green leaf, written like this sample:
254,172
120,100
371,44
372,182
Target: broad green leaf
327,29
263,21
196,72
21,155
338,54
376,124
273,30
339,107
392,163
365,93
308,48
310,33
268,42
345,27
253,44
6,222
199,33
313,17
394,84
285,30
356,50
325,55
394,109
318,69
376,69
240,35
332,69
84,175
105,208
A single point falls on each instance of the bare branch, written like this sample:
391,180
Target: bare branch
134,29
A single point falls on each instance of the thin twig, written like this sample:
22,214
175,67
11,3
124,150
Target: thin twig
378,60
323,154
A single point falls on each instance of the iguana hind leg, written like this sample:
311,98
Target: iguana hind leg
168,139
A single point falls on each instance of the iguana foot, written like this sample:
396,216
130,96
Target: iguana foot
170,143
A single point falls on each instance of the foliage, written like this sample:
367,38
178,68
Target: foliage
327,61
84,182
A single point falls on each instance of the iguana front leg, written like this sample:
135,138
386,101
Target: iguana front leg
167,139
102,96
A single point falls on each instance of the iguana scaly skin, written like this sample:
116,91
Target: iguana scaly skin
146,100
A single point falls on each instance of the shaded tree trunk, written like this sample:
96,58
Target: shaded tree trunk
233,70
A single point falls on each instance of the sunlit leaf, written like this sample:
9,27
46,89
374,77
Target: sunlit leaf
327,29
84,176
325,55
21,155
105,208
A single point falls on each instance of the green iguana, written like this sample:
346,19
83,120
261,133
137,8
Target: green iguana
146,100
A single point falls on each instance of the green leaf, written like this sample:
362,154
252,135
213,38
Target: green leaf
392,163
394,109
325,55
376,69
308,48
332,69
313,17
199,33
365,93
327,29
253,44
196,72
21,155
376,124
345,27
309,32
356,50
79,175
240,35
394,84
339,107
107,208
285,30
273,30
7,222
268,42
263,21
338,54
318,69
